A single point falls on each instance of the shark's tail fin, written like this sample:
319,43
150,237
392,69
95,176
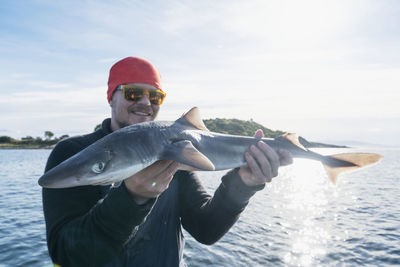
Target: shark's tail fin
338,163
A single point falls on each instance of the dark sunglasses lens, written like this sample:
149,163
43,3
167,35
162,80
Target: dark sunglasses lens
156,98
133,94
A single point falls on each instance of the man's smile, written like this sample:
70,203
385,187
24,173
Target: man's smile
141,113
141,110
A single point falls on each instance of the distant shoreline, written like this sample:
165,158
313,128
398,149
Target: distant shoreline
304,142
309,144
225,126
13,146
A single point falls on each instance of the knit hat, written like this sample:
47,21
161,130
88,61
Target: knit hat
132,70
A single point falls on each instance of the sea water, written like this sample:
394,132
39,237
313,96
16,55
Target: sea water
300,219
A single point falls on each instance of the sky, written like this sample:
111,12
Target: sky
326,70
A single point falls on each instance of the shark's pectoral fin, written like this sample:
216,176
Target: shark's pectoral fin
184,152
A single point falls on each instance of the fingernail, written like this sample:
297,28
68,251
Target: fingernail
262,144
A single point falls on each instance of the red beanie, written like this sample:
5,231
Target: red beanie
132,70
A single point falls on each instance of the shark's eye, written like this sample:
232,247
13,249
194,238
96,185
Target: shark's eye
98,167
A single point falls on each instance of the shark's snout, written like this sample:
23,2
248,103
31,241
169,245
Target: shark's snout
58,178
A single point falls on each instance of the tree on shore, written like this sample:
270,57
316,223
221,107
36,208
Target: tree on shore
48,134
5,139
98,126
63,137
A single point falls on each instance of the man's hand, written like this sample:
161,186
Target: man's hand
151,181
263,163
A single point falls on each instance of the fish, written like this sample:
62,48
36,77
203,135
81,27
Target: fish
187,141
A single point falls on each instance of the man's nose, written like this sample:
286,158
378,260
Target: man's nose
144,100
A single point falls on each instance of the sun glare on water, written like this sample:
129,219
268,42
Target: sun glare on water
305,204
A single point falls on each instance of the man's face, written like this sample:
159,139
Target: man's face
124,112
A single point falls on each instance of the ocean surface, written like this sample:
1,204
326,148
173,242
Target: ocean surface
300,219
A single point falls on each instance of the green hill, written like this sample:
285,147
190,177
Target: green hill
248,128
239,127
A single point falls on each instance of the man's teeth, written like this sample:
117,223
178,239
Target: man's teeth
141,113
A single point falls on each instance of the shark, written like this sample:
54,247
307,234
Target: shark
187,141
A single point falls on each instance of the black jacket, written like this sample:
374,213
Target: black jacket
103,225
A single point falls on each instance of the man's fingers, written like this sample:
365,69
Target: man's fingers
261,162
162,180
160,165
253,166
259,134
169,172
154,179
273,158
285,157
154,169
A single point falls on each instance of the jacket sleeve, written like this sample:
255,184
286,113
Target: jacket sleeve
84,229
208,218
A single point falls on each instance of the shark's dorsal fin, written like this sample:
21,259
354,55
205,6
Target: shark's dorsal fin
193,117
294,139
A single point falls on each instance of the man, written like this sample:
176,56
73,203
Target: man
139,222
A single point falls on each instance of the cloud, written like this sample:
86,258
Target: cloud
88,95
15,76
266,60
179,18
375,130
107,60
47,84
62,111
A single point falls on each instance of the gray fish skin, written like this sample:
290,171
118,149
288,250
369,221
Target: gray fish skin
125,152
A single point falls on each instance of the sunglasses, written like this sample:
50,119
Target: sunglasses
135,93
